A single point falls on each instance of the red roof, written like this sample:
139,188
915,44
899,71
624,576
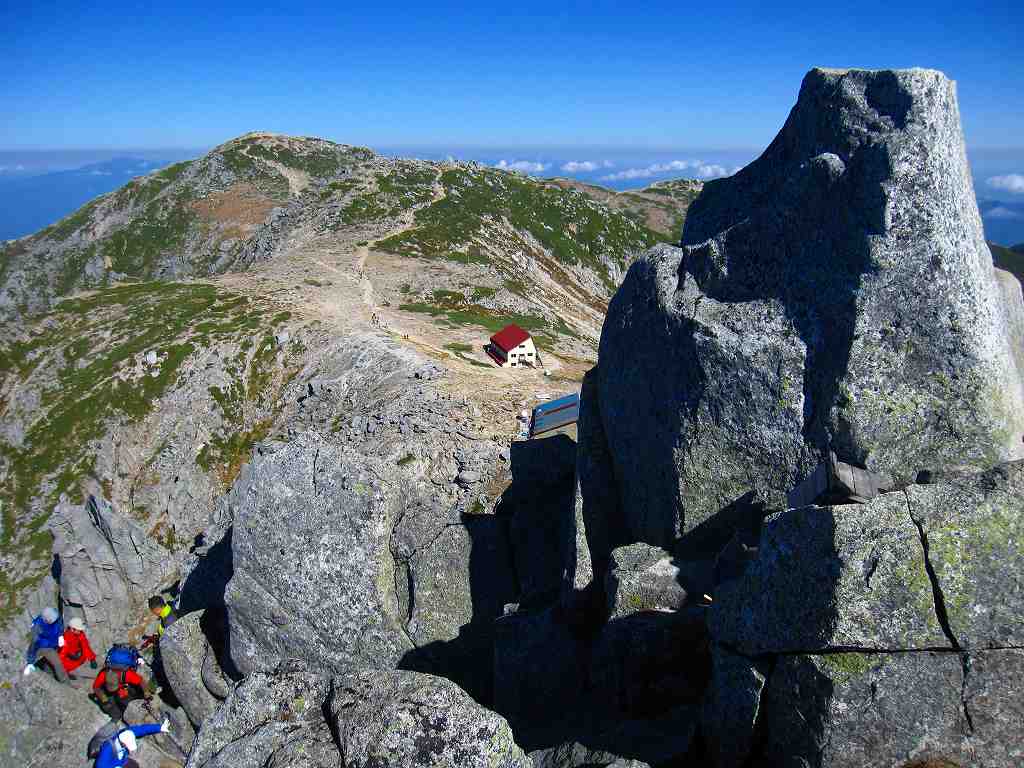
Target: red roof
509,337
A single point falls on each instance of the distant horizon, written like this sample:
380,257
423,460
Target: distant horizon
37,187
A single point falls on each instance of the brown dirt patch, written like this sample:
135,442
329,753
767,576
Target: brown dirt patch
238,209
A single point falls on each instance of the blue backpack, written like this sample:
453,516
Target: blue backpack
121,657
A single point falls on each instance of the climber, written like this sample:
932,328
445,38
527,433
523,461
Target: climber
47,640
114,688
164,613
117,751
76,649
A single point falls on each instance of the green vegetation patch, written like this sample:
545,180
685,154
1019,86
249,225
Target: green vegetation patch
849,666
363,209
408,185
86,360
67,226
260,175
319,161
161,227
466,314
573,227
338,188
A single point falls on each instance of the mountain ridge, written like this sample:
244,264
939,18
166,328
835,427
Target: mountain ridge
180,286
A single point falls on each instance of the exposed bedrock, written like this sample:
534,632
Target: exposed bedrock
191,667
106,566
313,576
294,717
405,719
836,294
879,633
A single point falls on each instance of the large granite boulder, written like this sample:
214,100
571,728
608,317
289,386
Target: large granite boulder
313,577
539,669
403,719
882,632
540,504
835,294
274,718
357,549
600,526
185,653
731,707
107,567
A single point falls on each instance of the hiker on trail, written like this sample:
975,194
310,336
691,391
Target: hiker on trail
47,640
76,649
116,752
115,688
164,613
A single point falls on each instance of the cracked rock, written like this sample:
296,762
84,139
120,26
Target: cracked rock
405,719
835,294
930,577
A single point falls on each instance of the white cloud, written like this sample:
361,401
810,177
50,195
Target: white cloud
99,173
522,165
1000,212
1013,182
576,166
699,169
711,172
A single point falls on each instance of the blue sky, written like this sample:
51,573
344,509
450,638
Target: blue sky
627,75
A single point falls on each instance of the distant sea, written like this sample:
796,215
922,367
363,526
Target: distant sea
39,187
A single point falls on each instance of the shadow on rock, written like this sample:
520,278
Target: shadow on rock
203,590
515,557
466,660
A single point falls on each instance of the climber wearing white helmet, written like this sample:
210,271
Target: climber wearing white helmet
116,752
47,640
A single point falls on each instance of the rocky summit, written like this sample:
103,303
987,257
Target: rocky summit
836,294
786,529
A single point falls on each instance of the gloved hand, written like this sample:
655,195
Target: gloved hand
29,668
60,641
165,726
93,664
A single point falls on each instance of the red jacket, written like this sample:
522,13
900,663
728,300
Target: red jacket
76,650
128,677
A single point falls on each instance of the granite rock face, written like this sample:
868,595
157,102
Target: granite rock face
39,715
272,718
108,567
836,293
405,719
313,571
292,717
885,631
186,653
642,578
731,707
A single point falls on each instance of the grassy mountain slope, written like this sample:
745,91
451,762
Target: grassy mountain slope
192,218
514,247
80,378
167,360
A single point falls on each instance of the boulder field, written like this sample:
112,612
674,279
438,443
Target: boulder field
650,595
